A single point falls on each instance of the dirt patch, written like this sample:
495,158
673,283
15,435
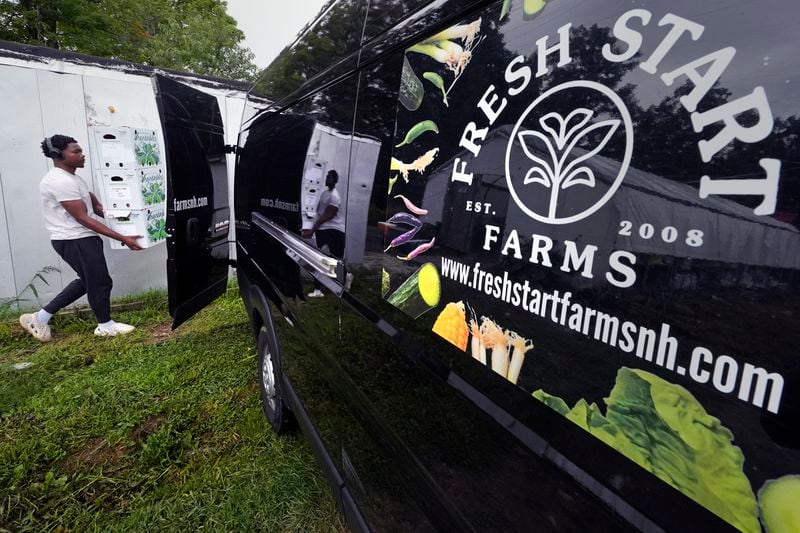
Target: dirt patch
161,334
96,452
146,428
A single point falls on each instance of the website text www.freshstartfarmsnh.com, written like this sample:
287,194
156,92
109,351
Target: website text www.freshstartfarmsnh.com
749,383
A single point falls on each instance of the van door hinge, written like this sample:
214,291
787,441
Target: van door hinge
231,149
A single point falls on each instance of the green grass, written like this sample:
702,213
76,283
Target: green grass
154,431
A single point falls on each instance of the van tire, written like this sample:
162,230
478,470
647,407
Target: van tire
270,383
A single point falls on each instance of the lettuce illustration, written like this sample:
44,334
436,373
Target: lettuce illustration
157,230
664,429
590,418
147,154
153,194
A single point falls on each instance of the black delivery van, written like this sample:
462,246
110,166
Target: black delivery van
567,298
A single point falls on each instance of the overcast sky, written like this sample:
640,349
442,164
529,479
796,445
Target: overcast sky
269,25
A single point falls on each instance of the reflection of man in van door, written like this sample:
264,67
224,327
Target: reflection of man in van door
329,226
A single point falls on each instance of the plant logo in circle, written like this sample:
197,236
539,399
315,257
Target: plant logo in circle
568,152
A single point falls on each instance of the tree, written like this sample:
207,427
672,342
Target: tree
30,21
193,35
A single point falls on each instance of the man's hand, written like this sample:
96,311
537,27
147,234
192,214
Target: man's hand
307,233
77,210
130,241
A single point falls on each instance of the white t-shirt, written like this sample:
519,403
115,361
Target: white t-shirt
59,186
330,197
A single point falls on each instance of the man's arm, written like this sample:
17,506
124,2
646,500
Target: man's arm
97,207
329,213
77,209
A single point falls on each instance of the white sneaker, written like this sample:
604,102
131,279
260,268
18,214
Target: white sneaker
117,328
316,293
40,332
348,281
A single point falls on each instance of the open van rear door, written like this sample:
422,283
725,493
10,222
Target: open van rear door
198,211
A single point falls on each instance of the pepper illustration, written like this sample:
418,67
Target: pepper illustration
418,129
411,207
402,239
418,250
437,81
405,218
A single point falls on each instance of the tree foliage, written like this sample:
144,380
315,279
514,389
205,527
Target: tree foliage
335,35
192,35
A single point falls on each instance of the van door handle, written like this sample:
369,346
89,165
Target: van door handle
193,232
297,247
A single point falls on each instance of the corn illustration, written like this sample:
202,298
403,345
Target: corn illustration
451,325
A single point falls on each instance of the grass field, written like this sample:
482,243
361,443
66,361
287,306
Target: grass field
154,431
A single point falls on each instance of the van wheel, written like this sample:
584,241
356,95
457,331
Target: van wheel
270,384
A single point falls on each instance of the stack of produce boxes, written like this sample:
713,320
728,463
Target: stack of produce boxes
130,171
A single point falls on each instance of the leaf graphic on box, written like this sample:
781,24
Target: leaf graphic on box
610,126
545,173
575,178
157,231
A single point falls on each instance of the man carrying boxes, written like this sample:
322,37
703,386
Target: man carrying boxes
67,205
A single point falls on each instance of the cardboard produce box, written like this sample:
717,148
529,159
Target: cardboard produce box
150,223
126,147
133,189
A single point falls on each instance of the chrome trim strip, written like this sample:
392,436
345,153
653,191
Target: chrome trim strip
296,247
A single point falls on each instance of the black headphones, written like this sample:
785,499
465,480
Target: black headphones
52,151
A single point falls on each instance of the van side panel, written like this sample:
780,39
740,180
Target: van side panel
569,211
573,283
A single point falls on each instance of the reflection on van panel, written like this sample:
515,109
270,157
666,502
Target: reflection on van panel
566,297
643,199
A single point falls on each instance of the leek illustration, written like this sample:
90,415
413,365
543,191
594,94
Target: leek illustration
442,48
502,348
